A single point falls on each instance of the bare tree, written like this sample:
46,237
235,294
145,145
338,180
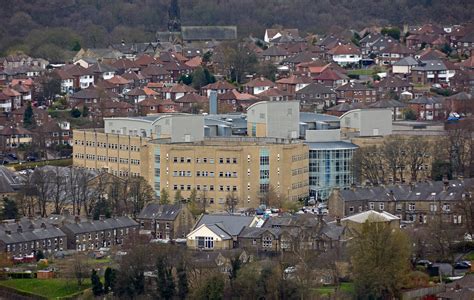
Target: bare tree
58,188
393,150
139,193
77,187
417,153
460,147
231,201
368,165
79,268
40,179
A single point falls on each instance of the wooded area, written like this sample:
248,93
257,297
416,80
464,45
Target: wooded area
50,28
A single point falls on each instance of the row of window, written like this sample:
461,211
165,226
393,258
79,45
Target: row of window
106,145
24,246
299,157
299,185
110,158
299,171
102,234
205,187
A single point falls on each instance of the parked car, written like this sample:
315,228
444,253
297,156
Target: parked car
12,156
424,262
462,265
31,158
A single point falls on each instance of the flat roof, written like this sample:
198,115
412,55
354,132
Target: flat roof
331,145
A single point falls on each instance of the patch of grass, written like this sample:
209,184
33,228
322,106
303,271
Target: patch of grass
368,72
49,288
346,287
34,164
469,256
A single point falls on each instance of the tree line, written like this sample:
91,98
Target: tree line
54,28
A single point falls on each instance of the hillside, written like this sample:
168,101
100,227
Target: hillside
48,27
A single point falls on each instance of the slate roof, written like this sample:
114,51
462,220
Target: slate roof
426,100
387,104
406,61
430,65
28,236
166,212
316,88
256,232
353,86
232,224
274,51
209,33
99,225
392,82
372,216
424,191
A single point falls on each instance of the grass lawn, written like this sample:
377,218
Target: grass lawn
49,288
469,256
368,72
28,165
347,287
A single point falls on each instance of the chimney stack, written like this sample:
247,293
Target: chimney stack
213,109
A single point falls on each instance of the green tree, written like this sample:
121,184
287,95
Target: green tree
101,208
29,117
410,114
10,209
393,32
164,197
440,169
164,279
39,255
76,46
110,277
177,197
97,288
85,111
183,288
211,288
380,260
75,113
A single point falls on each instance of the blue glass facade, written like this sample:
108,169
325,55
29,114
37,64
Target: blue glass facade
330,167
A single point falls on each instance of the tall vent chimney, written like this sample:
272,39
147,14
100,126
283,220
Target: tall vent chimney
213,103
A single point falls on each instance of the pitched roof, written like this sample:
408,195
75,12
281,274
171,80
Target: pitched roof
160,211
194,62
179,88
406,61
426,100
353,86
154,70
316,88
386,103
99,225
118,80
260,82
293,79
271,32
330,75
232,224
430,65
344,49
235,95
423,191
273,92
274,51
219,85
371,216
192,98
392,82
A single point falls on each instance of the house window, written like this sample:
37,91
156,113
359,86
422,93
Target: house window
411,206
205,242
371,205
267,241
433,207
446,207
398,206
382,206
351,209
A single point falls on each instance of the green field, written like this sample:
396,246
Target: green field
49,288
346,287
29,165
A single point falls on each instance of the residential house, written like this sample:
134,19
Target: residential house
293,83
396,106
431,72
150,105
316,95
274,54
155,73
67,80
25,239
220,87
404,65
233,101
428,108
258,85
5,103
189,102
393,53
82,77
166,221
345,54
93,235
12,136
461,103
392,87
14,96
290,234
354,223
418,203
331,78
356,92
177,91
218,232
102,71
275,94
